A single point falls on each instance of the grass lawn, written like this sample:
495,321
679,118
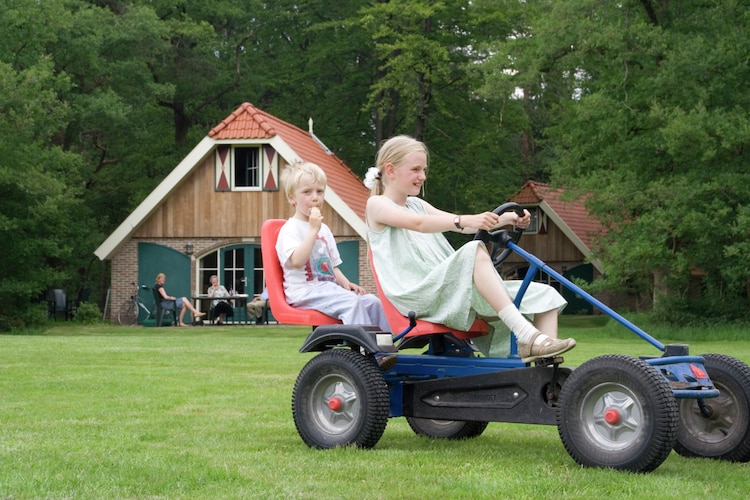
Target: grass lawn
109,412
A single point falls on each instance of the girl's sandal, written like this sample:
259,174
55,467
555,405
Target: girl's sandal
547,348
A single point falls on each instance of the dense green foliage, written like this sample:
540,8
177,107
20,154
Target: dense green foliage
645,106
640,103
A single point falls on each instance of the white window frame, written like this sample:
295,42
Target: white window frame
258,168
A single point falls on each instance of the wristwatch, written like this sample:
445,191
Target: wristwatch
457,222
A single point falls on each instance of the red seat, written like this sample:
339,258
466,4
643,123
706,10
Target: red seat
282,311
399,322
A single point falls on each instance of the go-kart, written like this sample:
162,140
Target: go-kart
613,411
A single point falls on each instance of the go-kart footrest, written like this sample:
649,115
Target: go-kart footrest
514,395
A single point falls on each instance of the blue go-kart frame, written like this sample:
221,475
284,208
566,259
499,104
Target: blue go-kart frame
614,411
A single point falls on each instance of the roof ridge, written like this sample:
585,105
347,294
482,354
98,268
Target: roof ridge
257,115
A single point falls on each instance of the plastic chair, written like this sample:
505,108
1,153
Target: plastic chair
399,322
57,303
160,311
282,311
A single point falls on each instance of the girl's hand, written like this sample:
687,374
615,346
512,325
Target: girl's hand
522,222
486,221
513,219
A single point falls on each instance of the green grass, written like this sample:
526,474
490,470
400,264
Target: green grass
108,412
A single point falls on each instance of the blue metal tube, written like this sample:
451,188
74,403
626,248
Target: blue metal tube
536,264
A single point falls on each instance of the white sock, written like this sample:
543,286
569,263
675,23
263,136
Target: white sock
519,325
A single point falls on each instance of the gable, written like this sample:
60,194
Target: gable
571,217
280,142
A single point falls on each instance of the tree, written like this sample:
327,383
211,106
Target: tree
35,197
647,114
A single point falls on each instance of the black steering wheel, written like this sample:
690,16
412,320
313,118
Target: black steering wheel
497,241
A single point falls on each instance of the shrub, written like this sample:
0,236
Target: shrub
87,313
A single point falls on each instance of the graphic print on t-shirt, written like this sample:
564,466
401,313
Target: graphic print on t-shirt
319,266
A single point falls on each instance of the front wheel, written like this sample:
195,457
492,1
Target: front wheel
446,429
619,412
340,399
128,313
721,429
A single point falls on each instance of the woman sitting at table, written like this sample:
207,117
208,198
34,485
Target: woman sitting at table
220,308
180,302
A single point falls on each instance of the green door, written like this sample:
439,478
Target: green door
576,303
154,259
349,251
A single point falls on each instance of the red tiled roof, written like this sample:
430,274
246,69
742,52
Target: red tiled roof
572,213
249,122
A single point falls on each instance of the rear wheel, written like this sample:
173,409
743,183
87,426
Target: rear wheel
617,411
720,430
128,313
446,429
340,399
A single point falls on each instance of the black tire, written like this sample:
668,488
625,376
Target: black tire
725,433
618,412
340,399
128,314
446,429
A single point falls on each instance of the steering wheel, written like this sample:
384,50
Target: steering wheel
497,241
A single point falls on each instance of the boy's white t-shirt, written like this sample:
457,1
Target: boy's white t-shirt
319,267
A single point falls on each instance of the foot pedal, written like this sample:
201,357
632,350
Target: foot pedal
553,361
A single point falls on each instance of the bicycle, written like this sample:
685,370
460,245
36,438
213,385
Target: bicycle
128,312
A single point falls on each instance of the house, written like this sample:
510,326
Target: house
560,234
205,217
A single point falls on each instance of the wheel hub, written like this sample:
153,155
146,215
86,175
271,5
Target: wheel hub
612,416
335,404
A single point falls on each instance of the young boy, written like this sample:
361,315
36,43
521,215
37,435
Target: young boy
310,258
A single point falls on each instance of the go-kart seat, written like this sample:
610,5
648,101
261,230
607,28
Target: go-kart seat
399,322
282,311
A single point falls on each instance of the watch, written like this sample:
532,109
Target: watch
457,222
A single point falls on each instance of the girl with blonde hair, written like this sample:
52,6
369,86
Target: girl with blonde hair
420,271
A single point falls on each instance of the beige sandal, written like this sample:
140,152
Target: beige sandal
548,348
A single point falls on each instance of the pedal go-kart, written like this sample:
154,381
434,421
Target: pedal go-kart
613,411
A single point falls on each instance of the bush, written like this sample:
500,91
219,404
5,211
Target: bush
87,313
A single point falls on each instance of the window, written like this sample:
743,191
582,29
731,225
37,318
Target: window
534,226
234,269
239,268
246,167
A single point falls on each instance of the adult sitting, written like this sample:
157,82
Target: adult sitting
256,307
181,303
219,308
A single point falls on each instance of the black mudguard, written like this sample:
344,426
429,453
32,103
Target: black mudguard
370,338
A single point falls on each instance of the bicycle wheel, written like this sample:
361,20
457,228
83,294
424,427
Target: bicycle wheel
128,313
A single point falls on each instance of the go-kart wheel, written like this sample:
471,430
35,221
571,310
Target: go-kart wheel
446,429
619,412
497,240
722,429
340,398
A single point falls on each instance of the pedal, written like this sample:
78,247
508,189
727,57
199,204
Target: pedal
553,361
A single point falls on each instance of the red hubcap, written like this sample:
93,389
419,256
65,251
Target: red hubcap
334,404
612,417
